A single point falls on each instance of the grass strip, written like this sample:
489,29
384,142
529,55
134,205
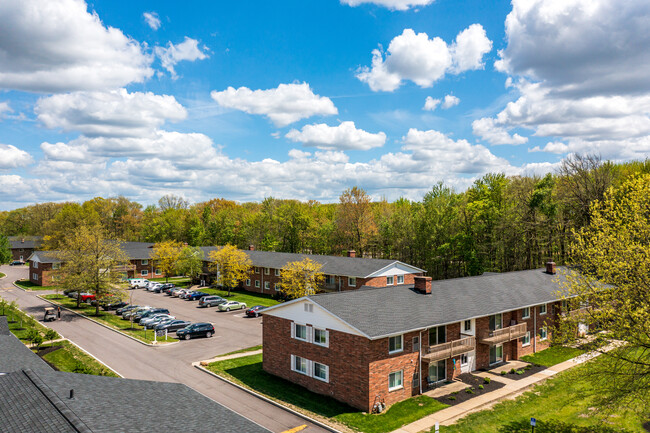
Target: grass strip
71,359
248,349
247,371
28,285
553,355
247,298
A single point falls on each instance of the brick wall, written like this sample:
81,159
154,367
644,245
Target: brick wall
17,253
43,271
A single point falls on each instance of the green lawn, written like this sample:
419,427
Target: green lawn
566,397
553,355
2,275
248,371
248,349
71,359
179,281
247,298
109,319
28,285
20,323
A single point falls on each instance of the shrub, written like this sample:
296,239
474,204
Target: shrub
513,371
528,367
520,371
51,334
480,387
503,373
469,391
487,380
451,397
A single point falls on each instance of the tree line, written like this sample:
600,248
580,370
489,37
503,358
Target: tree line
500,223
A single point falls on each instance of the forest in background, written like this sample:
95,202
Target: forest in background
498,224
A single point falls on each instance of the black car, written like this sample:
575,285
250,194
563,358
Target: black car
17,263
148,313
173,325
255,310
196,295
164,287
196,330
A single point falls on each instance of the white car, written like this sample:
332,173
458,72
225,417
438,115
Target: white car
137,282
152,286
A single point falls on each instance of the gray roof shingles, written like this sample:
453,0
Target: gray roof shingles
378,312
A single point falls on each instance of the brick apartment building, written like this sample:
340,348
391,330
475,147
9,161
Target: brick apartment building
23,246
341,272
390,343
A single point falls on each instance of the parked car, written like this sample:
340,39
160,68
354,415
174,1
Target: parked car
137,282
255,310
85,296
193,296
152,286
231,305
183,294
127,315
139,316
177,292
162,287
153,320
170,289
172,325
195,330
211,301
126,308
109,303
17,263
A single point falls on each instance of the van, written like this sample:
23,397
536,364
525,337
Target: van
137,282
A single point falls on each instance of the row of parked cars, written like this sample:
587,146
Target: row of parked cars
160,319
205,299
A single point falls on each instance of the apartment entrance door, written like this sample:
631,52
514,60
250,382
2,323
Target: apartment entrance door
496,354
438,371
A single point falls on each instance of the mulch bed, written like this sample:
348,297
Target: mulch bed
473,383
532,369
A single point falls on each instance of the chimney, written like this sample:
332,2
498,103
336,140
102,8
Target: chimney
423,285
251,247
71,394
352,253
22,240
550,267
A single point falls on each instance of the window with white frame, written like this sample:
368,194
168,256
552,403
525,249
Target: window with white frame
300,332
309,308
35,265
542,309
277,272
257,283
525,340
463,359
321,372
352,281
35,276
144,272
390,281
158,272
257,270
395,344
525,313
248,282
299,364
543,334
467,325
267,285
395,380
400,279
277,287
267,271
144,262
321,337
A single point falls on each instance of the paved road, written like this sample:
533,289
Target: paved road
170,364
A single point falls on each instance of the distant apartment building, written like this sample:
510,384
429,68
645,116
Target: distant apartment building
23,246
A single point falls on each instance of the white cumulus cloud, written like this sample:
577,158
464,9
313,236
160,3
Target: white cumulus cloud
58,46
488,129
417,58
152,20
187,50
12,157
4,108
450,101
283,105
396,5
344,136
430,104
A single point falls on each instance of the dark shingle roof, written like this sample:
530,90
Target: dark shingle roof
4,326
14,355
25,241
334,265
378,312
138,250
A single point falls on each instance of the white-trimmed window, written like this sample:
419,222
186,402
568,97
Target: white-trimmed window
543,333
158,272
390,281
400,279
467,325
267,285
309,308
542,309
525,313
277,272
525,340
257,283
144,272
352,281
35,276
277,287
395,380
299,364
300,332
267,271
395,344
321,337
463,359
257,270
56,266
321,372
248,282
35,265
144,262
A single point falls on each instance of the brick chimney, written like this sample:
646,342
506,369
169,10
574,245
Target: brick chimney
251,247
550,267
352,253
22,240
423,285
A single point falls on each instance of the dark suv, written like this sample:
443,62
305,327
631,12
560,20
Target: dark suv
195,330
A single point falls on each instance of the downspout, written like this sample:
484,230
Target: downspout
534,329
420,363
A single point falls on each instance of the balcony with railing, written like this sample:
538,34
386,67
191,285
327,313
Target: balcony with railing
503,335
448,350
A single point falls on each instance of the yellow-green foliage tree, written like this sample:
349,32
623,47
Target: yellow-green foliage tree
167,255
232,266
92,263
190,262
614,248
301,278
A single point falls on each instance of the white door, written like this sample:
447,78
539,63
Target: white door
468,362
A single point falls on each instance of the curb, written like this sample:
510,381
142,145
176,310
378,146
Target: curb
21,288
268,400
105,326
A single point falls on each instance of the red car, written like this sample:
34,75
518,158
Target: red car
255,310
86,297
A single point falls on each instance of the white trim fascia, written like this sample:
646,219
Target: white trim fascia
393,264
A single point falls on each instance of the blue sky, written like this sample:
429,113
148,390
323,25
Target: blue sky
246,100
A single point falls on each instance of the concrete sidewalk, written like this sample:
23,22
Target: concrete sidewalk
234,355
511,389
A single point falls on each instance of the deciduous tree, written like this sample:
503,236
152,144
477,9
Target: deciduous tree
355,219
167,255
301,278
232,266
190,262
5,250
